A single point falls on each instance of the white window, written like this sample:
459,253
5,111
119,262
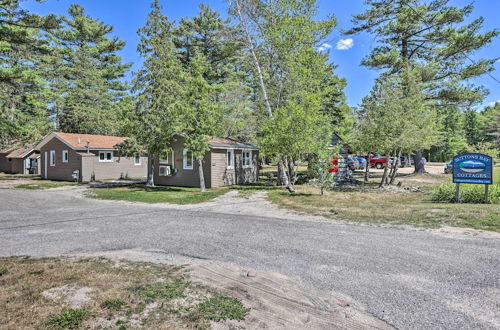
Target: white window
52,158
247,159
65,156
106,156
230,159
137,160
187,159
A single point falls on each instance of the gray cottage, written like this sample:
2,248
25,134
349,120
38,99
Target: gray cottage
228,162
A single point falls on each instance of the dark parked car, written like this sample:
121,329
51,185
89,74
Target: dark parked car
448,168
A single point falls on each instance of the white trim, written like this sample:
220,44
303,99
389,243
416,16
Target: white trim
65,152
230,167
135,160
243,159
184,160
106,160
52,158
45,166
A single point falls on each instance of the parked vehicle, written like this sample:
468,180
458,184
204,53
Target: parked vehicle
362,162
378,161
353,163
448,168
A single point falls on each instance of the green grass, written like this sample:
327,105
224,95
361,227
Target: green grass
40,185
5,176
69,319
221,307
113,304
168,290
141,193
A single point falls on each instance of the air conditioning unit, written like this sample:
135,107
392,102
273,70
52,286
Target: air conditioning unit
165,171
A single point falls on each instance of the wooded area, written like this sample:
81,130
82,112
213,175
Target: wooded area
259,76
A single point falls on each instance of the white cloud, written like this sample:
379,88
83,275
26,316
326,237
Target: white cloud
324,47
345,44
492,104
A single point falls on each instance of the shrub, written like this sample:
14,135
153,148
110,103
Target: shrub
468,193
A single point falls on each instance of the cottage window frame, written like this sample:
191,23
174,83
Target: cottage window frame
137,163
230,159
52,160
244,163
65,156
105,157
185,165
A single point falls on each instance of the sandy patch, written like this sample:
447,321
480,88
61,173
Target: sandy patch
75,296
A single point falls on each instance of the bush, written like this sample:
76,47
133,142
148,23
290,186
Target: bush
468,193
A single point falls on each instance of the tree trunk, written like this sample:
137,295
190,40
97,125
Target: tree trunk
151,171
419,163
256,63
292,174
202,177
395,170
367,169
386,168
282,176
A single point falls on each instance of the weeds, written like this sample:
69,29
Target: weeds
68,319
221,307
114,304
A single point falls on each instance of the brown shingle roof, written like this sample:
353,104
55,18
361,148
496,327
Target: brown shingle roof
218,142
20,153
79,141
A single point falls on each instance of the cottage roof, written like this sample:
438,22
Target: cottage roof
79,141
228,143
20,153
7,150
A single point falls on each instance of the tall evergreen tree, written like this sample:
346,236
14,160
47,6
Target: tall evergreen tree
23,100
159,87
431,34
87,80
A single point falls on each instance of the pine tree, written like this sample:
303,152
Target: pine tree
432,35
23,101
87,80
160,89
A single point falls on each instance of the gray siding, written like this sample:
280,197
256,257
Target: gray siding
183,178
89,166
119,168
215,169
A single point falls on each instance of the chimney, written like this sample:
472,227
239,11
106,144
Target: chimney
88,146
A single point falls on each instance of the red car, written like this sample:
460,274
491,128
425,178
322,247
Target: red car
377,161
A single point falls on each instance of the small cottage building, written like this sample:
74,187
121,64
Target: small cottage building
228,162
15,160
86,157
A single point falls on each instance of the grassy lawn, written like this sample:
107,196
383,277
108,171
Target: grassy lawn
97,293
141,193
44,184
395,206
5,176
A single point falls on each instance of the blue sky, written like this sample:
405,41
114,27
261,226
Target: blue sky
128,15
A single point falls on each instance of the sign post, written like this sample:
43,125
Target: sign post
475,169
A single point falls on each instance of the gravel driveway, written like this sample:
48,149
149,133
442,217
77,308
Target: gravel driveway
413,279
